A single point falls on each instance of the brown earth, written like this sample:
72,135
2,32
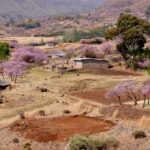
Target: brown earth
98,95
61,128
116,72
125,112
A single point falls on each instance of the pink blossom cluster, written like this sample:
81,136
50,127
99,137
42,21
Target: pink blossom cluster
143,64
29,55
14,44
121,88
145,90
129,88
14,68
21,57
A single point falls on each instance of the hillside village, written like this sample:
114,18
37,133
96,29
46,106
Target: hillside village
78,81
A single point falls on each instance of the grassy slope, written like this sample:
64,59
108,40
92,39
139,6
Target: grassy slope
38,8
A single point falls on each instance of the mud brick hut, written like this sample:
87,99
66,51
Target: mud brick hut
90,63
4,85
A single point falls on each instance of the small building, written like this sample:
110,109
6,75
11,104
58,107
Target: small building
56,54
4,85
90,63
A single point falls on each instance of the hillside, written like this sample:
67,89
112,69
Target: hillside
18,9
112,8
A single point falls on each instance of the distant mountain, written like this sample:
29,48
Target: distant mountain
21,9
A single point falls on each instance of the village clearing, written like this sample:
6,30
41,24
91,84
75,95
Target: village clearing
70,97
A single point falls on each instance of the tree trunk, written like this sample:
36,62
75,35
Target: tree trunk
148,102
144,101
135,98
119,98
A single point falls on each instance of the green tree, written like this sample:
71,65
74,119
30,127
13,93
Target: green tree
131,30
4,51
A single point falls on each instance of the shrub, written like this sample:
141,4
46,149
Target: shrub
138,134
4,50
27,146
81,143
29,24
41,112
86,143
21,115
92,41
76,36
105,144
66,111
15,140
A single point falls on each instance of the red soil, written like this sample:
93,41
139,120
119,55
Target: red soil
59,129
98,95
115,72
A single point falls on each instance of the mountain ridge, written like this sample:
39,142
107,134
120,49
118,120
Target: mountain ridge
21,9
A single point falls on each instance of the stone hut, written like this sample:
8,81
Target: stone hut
90,63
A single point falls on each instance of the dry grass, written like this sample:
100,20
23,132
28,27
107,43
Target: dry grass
27,40
57,87
144,123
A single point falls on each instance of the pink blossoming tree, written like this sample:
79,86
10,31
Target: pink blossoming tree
29,55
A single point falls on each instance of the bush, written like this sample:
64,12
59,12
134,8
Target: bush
105,144
138,134
81,143
30,24
15,140
92,41
4,51
76,36
41,112
21,115
86,143
66,111
27,146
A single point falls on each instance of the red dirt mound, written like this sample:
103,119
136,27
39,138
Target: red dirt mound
59,129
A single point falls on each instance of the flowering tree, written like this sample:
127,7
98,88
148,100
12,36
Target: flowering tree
29,55
145,90
143,64
114,93
126,87
14,68
14,44
129,88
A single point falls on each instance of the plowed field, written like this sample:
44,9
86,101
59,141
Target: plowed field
59,129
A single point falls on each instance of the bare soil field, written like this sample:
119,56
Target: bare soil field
125,112
116,72
58,129
98,95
